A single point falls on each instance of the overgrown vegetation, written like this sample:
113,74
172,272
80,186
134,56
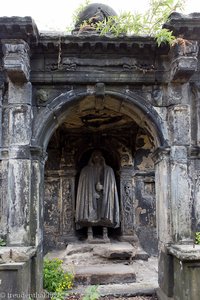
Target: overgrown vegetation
197,238
56,280
147,24
91,293
2,243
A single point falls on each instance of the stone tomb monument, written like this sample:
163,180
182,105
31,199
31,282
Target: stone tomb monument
62,98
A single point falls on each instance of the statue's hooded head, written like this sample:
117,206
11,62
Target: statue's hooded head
97,158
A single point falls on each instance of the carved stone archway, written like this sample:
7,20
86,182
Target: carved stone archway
156,87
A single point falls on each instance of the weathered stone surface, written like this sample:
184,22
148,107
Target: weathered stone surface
113,251
180,194
15,280
180,124
16,254
16,60
186,279
79,248
185,252
104,274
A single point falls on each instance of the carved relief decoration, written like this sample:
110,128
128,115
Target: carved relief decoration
67,215
127,194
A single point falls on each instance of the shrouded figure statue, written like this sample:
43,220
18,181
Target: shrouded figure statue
97,202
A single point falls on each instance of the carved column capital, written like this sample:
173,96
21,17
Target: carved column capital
160,154
16,60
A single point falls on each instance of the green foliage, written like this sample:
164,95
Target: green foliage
2,242
91,293
197,238
147,24
55,279
76,13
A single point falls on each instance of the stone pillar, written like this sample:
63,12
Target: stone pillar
164,219
181,198
181,206
36,217
17,66
67,230
163,202
22,173
127,196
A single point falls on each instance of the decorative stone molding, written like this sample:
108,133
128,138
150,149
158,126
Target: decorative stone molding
186,25
16,60
160,154
19,28
184,60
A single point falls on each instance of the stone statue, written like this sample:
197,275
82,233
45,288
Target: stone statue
97,202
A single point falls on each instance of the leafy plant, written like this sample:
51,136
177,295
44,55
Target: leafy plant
55,279
91,293
76,13
197,238
147,24
2,242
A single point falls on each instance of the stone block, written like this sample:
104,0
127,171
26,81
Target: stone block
104,274
177,94
180,124
20,94
183,68
181,203
162,179
165,273
120,250
20,125
16,254
19,193
186,271
16,60
15,280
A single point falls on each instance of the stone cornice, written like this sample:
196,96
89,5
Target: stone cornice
18,28
186,26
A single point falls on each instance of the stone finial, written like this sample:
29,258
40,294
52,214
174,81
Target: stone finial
16,60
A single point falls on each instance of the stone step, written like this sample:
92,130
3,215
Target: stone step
122,290
104,274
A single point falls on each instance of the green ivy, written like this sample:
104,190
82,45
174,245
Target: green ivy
55,280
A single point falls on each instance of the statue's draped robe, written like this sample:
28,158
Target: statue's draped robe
97,208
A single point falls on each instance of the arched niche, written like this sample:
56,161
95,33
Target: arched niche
74,124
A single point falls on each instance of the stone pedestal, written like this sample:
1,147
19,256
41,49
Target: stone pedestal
16,271
183,263
186,261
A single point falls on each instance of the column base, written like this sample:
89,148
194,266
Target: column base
162,296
